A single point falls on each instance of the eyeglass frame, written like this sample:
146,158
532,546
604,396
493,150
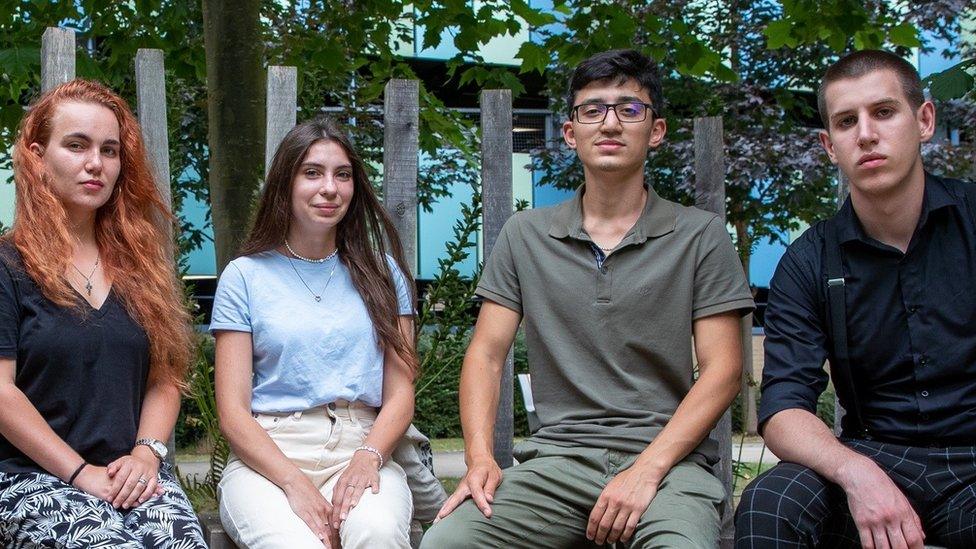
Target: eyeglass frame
574,112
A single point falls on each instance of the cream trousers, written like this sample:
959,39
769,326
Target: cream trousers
320,441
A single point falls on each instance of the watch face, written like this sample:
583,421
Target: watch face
156,446
160,448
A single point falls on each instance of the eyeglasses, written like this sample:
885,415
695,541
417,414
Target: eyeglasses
596,113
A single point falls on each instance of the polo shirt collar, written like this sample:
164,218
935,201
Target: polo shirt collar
657,219
935,197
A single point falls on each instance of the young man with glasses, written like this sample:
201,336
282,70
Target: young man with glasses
610,287
886,291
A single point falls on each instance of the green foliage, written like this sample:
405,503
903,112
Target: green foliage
837,23
847,24
108,35
437,414
954,82
203,492
826,407
763,114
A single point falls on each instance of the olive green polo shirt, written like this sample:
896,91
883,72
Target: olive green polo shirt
610,348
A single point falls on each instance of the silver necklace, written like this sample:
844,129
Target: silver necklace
88,279
318,296
309,259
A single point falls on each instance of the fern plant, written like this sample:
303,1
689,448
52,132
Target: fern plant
203,492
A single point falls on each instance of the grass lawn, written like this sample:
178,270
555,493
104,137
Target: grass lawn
447,444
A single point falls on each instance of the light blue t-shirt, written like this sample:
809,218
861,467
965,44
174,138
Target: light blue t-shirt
306,353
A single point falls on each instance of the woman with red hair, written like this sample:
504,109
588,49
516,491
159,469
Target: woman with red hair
94,339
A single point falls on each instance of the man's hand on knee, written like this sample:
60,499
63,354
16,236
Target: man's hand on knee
620,506
479,483
883,516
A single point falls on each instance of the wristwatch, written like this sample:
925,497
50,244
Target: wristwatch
156,447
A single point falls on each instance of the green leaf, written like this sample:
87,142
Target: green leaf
533,17
778,34
904,35
722,72
563,9
511,82
953,82
534,58
20,60
837,41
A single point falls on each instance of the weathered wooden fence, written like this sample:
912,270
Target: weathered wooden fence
400,165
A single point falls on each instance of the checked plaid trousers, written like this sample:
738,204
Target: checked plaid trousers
792,506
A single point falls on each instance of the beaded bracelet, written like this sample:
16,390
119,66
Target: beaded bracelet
71,480
373,451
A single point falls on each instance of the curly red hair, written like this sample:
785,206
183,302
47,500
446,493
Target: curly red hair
130,230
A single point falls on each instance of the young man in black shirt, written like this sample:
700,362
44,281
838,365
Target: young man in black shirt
886,291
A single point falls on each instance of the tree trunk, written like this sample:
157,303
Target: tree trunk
748,387
236,89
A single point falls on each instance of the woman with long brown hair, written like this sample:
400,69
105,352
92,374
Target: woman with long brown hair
315,360
94,339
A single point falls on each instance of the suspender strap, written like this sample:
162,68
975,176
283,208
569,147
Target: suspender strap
840,364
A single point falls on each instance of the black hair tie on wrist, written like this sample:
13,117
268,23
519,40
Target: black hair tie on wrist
71,481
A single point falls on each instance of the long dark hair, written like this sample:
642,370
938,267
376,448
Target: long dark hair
364,236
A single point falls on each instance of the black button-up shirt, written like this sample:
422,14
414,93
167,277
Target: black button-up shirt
911,321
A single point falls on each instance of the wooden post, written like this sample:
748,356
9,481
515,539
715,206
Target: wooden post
401,138
151,104
496,197
57,57
710,196
750,415
282,107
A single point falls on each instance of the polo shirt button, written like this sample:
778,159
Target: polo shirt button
923,361
924,393
603,270
913,309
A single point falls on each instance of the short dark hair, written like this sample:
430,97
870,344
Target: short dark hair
618,66
862,62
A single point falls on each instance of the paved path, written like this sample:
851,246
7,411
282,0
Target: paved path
451,464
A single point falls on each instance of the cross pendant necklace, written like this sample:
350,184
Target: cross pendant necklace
88,279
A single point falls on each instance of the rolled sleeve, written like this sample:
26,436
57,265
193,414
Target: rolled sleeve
720,282
795,346
499,280
231,309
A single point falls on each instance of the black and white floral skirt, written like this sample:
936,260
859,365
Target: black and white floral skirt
41,510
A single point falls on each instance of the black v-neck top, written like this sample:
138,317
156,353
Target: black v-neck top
84,369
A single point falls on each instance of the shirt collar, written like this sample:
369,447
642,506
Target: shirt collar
935,197
657,219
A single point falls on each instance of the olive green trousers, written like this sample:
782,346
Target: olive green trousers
546,500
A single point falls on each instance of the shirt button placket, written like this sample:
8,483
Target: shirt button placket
604,283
